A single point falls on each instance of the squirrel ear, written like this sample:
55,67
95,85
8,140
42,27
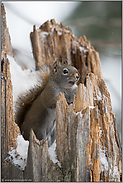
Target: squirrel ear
64,61
55,65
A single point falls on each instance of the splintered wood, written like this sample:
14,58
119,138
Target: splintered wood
39,166
86,135
7,117
53,41
88,146
6,46
9,130
87,142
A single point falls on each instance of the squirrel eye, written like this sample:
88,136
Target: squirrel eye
65,71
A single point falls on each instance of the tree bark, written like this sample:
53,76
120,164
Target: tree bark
39,166
9,130
87,142
88,146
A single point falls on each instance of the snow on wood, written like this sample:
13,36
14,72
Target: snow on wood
87,143
93,134
39,166
22,80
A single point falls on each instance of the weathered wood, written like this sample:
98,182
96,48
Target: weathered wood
87,145
39,166
87,142
52,41
6,46
9,130
72,136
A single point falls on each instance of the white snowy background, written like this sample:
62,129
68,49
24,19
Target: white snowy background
21,16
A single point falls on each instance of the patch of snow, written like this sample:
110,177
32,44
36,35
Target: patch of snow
115,172
79,113
60,32
100,132
18,156
81,48
104,162
85,51
67,31
22,80
91,107
22,147
53,155
98,97
75,43
44,34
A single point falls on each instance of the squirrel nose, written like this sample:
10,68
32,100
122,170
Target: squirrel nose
77,76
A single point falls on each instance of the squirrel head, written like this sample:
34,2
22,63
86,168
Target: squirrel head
65,75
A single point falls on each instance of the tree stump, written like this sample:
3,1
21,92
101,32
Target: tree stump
87,142
88,145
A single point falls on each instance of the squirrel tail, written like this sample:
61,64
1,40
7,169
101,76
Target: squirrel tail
25,101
